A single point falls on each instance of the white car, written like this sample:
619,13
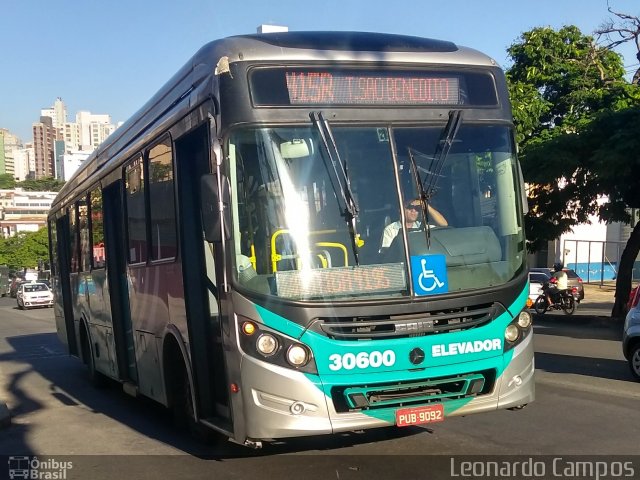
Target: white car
34,294
536,280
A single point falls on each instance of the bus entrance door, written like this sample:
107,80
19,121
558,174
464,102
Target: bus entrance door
200,286
64,320
117,278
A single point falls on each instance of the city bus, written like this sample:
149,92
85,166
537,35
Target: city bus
221,252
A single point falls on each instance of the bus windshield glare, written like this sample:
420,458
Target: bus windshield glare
291,238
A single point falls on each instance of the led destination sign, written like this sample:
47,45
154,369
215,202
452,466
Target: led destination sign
308,88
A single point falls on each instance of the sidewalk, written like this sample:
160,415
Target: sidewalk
599,300
594,293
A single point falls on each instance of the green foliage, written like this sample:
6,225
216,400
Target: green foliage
563,89
24,249
7,181
46,184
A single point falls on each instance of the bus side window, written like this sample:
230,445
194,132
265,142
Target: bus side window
83,227
161,201
75,240
97,229
136,216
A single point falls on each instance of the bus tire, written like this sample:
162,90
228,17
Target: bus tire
184,413
96,379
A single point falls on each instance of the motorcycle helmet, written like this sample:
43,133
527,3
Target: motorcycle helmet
557,267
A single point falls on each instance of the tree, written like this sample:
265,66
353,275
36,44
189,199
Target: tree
45,184
565,90
625,29
7,181
25,249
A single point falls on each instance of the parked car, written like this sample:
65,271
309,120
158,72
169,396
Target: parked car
15,283
34,294
634,297
536,280
631,339
574,282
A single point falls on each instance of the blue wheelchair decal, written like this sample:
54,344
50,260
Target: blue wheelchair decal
429,274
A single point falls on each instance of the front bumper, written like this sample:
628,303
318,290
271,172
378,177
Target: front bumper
279,402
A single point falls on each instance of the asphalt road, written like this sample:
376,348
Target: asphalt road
587,404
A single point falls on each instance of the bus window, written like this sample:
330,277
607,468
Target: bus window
83,227
136,216
53,246
97,229
161,202
75,241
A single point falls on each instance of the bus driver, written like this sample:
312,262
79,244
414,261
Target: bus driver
411,211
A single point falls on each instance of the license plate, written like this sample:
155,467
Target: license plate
419,415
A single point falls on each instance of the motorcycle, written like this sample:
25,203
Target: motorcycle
564,301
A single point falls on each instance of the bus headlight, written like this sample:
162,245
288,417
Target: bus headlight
519,329
297,355
511,333
524,319
267,344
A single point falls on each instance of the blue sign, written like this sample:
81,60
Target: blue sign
429,274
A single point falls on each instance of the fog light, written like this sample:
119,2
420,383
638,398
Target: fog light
297,355
517,380
524,319
511,333
267,344
297,408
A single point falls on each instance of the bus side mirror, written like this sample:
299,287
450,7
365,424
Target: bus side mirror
211,198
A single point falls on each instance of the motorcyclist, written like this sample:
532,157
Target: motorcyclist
557,284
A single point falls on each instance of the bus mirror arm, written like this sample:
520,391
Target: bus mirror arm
213,203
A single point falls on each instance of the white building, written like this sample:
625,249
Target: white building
93,130
593,249
57,113
24,163
71,162
23,211
87,132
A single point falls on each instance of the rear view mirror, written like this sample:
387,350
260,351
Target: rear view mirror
213,223
296,148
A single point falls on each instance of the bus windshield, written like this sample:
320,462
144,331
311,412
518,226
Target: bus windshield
289,210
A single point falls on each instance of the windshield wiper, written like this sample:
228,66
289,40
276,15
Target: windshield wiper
339,178
427,189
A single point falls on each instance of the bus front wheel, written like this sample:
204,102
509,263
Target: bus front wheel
96,378
184,412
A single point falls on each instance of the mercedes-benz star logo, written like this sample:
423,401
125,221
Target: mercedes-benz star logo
416,356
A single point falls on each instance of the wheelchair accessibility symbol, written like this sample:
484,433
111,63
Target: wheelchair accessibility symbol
429,274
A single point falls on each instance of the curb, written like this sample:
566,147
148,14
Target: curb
5,416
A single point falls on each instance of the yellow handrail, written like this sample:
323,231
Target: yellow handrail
336,245
276,257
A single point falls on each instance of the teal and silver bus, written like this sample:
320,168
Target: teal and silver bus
305,233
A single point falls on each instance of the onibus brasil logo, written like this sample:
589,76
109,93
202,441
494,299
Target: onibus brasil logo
25,467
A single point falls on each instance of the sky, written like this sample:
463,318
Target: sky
111,57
